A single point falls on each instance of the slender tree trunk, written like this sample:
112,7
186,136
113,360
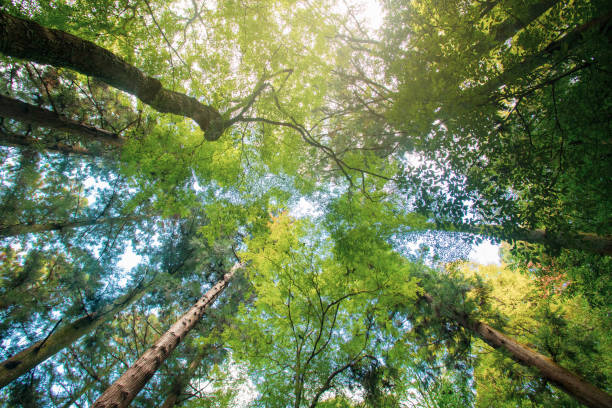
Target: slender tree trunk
585,241
181,382
29,40
125,389
19,229
569,382
27,113
22,362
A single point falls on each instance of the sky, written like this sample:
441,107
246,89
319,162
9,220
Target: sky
371,11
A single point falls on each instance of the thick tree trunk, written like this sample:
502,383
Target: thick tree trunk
19,229
24,112
64,336
29,40
125,389
569,382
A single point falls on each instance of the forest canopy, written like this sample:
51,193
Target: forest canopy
272,203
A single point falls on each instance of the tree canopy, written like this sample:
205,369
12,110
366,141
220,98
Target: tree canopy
271,203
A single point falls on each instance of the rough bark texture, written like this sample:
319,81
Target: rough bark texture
24,112
125,389
22,362
12,230
569,382
29,40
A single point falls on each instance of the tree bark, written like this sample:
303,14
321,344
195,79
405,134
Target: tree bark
569,382
19,229
29,40
27,113
22,362
125,389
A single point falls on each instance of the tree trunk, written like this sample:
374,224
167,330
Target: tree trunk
19,229
599,244
24,112
125,389
569,382
22,362
29,40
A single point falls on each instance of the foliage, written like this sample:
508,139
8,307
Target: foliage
458,120
550,323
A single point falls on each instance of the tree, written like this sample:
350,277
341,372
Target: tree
449,303
61,337
583,391
319,322
27,39
481,118
499,129
19,229
123,390
27,113
538,314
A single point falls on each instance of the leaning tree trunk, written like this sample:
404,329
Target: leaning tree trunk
126,387
19,229
22,362
569,382
31,114
29,40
